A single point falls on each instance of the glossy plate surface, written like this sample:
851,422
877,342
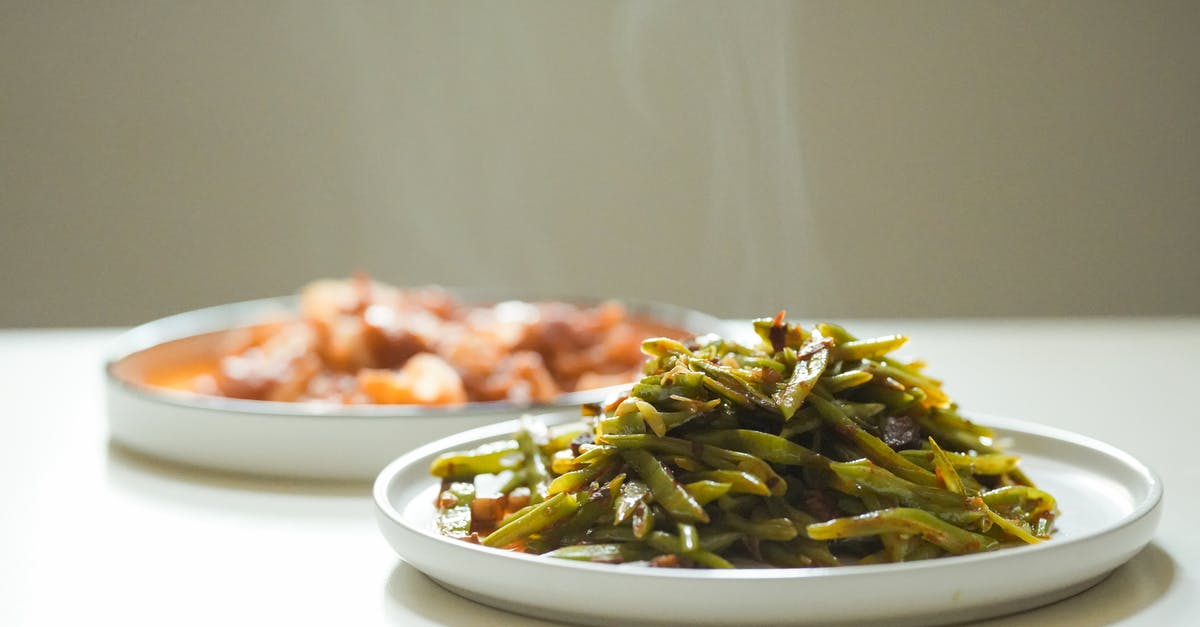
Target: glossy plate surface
307,440
1110,505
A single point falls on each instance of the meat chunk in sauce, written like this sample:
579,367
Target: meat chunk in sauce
362,341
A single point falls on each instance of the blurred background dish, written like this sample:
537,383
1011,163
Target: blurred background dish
279,428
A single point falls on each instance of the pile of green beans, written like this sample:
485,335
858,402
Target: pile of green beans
812,448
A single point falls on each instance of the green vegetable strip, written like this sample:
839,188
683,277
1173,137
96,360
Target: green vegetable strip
945,469
662,347
615,553
846,380
736,480
839,334
804,377
732,385
489,458
663,487
911,379
873,448
633,493
855,350
944,503
770,529
1016,529
765,446
536,475
537,519
903,520
591,512
1021,497
666,543
705,491
689,538
576,479
987,464
727,453
643,519
714,456
560,437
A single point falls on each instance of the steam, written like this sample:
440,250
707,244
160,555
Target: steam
737,73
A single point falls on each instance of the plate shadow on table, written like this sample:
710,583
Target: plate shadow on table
163,479
410,589
1131,588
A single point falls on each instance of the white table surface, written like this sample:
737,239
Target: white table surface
94,534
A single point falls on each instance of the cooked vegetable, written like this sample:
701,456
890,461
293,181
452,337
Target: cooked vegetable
813,448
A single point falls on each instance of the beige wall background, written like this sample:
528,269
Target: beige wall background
834,158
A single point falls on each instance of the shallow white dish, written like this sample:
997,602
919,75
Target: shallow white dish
1110,504
306,440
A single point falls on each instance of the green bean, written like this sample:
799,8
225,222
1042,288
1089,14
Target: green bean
731,386
846,380
537,519
576,479
663,487
1014,496
770,529
804,421
536,474
943,503
590,513
861,412
777,335
689,538
594,453
987,464
854,350
798,553
874,448
804,377
953,437
1014,528
657,393
715,456
770,454
642,520
669,544
903,520
487,459
614,553
632,494
623,424
560,437
737,480
944,469
662,346
910,379
765,446
512,479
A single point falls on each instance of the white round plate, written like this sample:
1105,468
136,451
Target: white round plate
1109,502
305,440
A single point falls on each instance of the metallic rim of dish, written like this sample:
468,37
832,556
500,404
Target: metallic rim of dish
247,313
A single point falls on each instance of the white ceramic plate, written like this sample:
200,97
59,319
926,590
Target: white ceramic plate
307,440
1110,504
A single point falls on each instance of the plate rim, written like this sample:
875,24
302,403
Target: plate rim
1141,509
